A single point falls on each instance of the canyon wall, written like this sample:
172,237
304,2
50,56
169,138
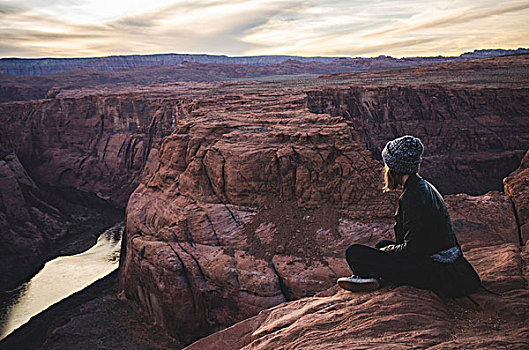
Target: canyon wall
255,200
56,154
474,136
40,222
25,219
93,143
247,194
21,88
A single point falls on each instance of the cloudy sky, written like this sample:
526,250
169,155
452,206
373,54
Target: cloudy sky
81,28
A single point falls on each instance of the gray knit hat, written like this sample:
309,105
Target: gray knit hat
403,155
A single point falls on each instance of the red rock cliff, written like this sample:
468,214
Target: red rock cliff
94,143
201,255
472,140
254,202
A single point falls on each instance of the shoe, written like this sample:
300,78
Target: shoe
358,284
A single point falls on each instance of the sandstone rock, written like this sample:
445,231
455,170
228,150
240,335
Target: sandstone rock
482,220
401,317
92,143
254,203
405,317
246,207
463,129
517,187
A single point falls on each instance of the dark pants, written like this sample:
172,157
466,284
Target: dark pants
371,262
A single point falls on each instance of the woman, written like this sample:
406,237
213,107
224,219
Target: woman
426,253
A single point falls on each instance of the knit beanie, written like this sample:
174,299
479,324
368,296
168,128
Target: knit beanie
403,155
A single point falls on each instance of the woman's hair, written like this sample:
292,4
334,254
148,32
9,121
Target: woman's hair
392,180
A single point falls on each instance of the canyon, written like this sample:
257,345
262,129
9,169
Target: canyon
28,79
68,165
242,196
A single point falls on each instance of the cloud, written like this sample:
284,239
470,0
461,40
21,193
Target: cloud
65,28
384,47
8,9
161,30
461,16
403,28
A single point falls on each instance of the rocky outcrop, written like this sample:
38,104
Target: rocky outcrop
517,187
396,317
406,317
201,255
254,202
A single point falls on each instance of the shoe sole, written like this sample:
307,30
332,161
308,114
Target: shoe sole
359,287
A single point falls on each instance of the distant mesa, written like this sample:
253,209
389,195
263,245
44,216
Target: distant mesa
41,66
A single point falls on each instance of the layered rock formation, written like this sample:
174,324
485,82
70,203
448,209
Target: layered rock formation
94,144
201,255
255,200
39,223
406,317
16,66
28,79
99,144
472,142
20,88
517,187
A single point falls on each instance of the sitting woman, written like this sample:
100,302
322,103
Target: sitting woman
426,253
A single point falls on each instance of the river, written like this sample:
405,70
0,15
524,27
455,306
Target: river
60,278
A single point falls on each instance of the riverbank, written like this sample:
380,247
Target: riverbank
89,319
73,221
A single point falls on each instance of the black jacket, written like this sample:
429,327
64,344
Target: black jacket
423,226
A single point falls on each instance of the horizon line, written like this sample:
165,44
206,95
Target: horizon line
243,56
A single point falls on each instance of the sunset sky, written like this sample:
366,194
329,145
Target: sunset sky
62,28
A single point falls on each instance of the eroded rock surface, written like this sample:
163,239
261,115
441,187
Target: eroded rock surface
253,203
247,196
471,141
400,318
98,144
517,187
406,317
